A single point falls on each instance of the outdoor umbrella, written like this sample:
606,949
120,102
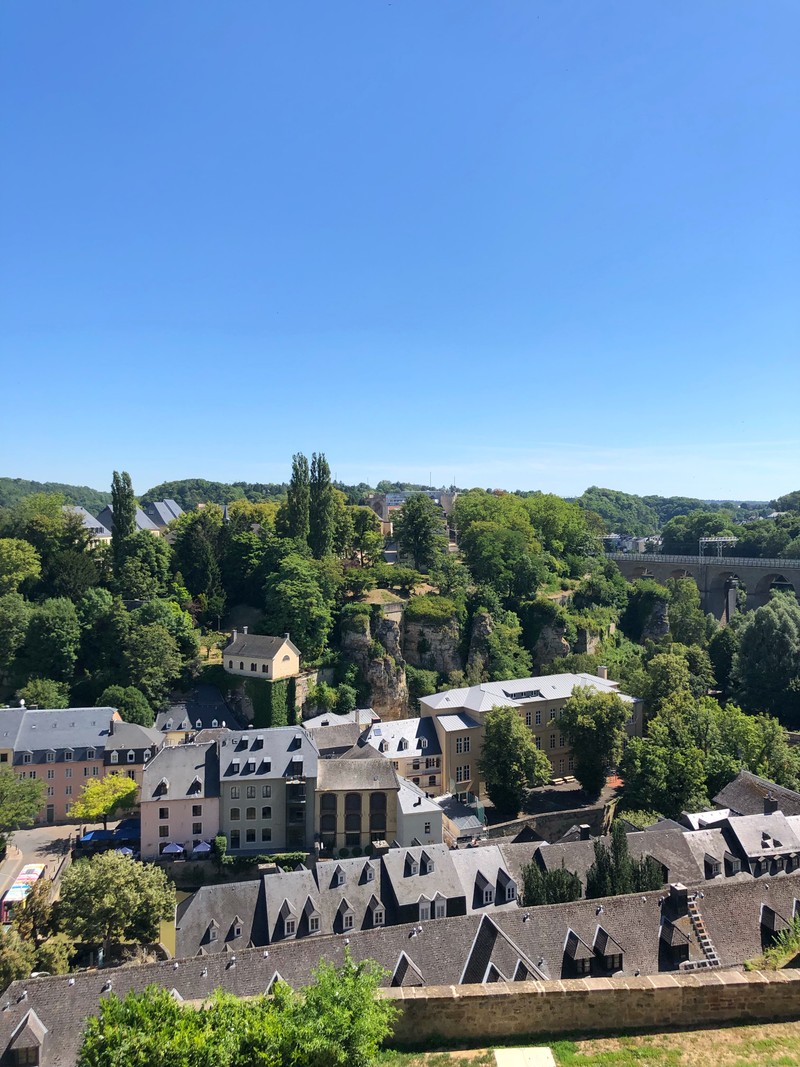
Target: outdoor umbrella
173,849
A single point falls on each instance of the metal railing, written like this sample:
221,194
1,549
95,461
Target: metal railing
713,561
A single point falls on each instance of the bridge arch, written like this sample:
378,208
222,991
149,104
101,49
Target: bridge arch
682,572
772,581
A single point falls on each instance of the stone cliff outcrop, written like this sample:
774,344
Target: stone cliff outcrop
432,648
375,648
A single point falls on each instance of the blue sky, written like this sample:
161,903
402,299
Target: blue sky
516,243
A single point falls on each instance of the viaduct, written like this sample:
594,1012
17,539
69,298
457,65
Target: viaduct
718,577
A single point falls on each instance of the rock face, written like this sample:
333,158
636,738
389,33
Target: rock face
657,625
432,648
550,645
385,673
478,654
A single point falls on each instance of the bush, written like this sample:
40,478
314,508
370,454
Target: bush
420,683
431,610
344,853
356,851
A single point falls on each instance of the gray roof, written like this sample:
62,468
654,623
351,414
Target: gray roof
77,729
203,704
162,512
405,888
359,774
130,735
745,795
334,740
364,716
763,836
518,692
106,517
458,721
257,646
10,724
480,867
447,952
219,910
93,525
387,738
462,816
266,753
191,771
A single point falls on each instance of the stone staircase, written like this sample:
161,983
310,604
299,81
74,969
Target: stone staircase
699,927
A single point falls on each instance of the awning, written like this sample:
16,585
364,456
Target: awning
173,849
202,847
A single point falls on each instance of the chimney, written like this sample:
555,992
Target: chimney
679,899
244,629
602,672
286,637
234,635
111,727
586,831
770,804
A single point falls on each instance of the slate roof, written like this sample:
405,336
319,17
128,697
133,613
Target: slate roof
271,752
443,952
106,517
191,770
406,888
356,774
203,704
364,716
764,836
518,691
412,800
336,740
458,721
257,646
10,724
130,735
387,736
162,512
745,795
220,909
479,867
460,815
93,525
42,730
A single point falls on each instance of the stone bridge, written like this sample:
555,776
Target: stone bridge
718,577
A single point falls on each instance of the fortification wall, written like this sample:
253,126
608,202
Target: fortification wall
470,1014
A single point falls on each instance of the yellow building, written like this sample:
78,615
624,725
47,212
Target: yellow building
271,658
356,802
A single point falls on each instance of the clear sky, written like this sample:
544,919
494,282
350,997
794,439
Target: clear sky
518,243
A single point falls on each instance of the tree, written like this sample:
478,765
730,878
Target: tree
614,871
51,643
687,623
35,921
152,662
594,725
19,562
111,899
21,799
766,666
17,957
295,604
123,505
177,622
101,797
668,675
548,887
418,531
298,500
367,537
129,702
15,615
681,535
44,693
145,570
510,763
321,510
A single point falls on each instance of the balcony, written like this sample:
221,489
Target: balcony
296,793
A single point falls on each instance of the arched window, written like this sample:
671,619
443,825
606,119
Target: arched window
352,824
327,824
327,802
352,803
115,757
377,814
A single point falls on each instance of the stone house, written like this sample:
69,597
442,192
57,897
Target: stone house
256,656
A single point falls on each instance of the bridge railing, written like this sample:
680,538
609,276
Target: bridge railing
712,561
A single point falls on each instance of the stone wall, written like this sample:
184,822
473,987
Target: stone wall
552,825
472,1014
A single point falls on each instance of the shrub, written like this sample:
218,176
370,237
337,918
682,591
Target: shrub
356,851
431,610
344,853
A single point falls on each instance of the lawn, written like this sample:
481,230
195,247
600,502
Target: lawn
763,1045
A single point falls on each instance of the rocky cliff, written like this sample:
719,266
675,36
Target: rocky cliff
375,647
432,648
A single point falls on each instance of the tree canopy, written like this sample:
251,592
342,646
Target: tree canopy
20,801
101,797
594,724
510,763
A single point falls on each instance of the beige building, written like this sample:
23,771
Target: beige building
459,714
253,655
356,802
180,800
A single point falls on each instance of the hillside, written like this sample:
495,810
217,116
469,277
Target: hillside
12,490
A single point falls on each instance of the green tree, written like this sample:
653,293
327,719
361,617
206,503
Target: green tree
510,763
681,535
110,899
295,604
152,662
176,622
418,531
129,702
145,570
321,507
44,693
100,798
548,887
21,799
296,516
668,675
614,870
52,640
594,725
766,666
688,625
722,648
34,922
19,562
15,615
17,957
367,537
123,505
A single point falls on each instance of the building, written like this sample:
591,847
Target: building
270,658
413,747
162,512
419,819
180,799
747,793
96,529
356,802
458,716
203,708
268,780
67,747
106,518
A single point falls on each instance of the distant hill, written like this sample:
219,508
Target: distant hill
12,490
189,492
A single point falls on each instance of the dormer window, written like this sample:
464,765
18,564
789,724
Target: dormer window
214,723
235,766
347,920
379,917
131,756
369,874
168,724
313,924
198,724
90,753
146,755
339,876
384,745
68,755
488,894
290,926
424,910
51,756
440,908
413,868
428,865
250,767
511,892
213,930
115,756
423,742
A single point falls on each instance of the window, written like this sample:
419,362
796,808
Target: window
90,753
197,828
68,772
115,757
95,772
251,792
459,745
50,772
31,774
431,763
266,813
561,766
488,895
290,926
313,924
538,742
528,718
250,767
68,755
235,838
253,667
131,756
235,766
68,790
552,715
415,781
212,933
440,909
511,892
51,757
241,664
236,814
427,827
379,917
348,921
431,779
539,717
264,668
68,808
234,792
237,930
197,811
50,791
27,758
230,664
266,790
424,910
163,813
583,966
132,775
250,836
266,833
560,740
250,814
571,763
463,773
146,755
552,740
163,831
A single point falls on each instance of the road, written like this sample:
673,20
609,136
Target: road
42,844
